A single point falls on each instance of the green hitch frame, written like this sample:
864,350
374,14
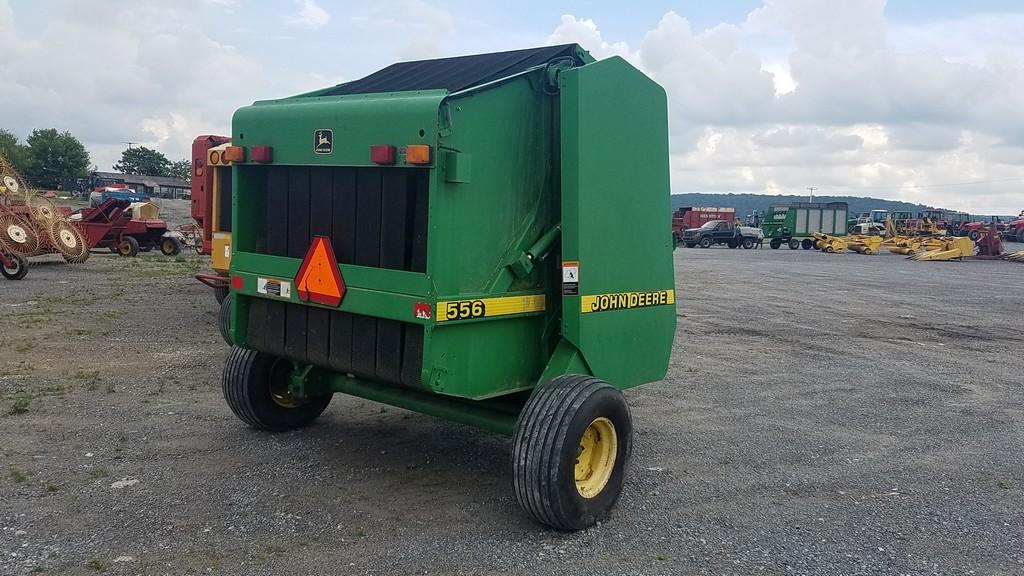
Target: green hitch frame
497,415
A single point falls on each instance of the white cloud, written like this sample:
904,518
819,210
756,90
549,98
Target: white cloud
153,76
808,93
310,16
585,33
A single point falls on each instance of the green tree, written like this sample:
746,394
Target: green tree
11,149
53,157
182,169
143,161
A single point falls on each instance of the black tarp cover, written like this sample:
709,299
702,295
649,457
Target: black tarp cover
453,74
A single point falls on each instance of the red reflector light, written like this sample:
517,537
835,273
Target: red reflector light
234,154
262,154
237,282
417,154
382,154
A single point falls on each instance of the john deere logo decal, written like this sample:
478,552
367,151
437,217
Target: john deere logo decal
323,141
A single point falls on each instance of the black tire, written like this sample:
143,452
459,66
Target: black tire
807,244
705,242
974,235
546,447
170,246
748,243
19,270
224,321
775,243
220,294
253,383
129,247
829,249
794,244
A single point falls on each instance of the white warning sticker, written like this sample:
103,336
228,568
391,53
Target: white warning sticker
570,278
274,287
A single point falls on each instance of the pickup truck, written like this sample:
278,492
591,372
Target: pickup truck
722,232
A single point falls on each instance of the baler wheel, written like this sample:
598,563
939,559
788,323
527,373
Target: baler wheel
571,446
129,247
256,388
220,294
19,270
224,320
170,246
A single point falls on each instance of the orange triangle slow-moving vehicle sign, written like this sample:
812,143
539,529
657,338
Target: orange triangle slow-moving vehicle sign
319,279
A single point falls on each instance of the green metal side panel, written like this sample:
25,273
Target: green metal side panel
494,195
615,210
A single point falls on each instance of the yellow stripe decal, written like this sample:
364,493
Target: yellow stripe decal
626,300
487,307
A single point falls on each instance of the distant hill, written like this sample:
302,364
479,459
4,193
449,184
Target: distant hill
747,203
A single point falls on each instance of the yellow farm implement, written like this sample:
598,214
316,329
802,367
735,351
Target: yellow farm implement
945,249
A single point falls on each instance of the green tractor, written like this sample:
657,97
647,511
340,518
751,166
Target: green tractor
478,238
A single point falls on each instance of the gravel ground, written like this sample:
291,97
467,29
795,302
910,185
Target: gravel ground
840,414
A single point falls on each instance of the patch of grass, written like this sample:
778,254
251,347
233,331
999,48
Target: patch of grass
360,533
660,558
22,401
52,488
109,388
17,475
1004,484
109,315
97,473
98,565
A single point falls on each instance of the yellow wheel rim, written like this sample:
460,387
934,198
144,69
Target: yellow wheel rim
280,392
595,458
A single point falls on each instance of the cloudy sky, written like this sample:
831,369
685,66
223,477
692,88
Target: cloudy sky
915,100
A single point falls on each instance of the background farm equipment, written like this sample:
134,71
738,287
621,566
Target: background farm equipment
211,208
829,244
796,224
862,244
126,228
31,225
945,248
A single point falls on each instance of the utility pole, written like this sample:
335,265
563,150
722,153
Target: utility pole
812,189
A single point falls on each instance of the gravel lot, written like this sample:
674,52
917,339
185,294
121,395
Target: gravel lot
823,414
